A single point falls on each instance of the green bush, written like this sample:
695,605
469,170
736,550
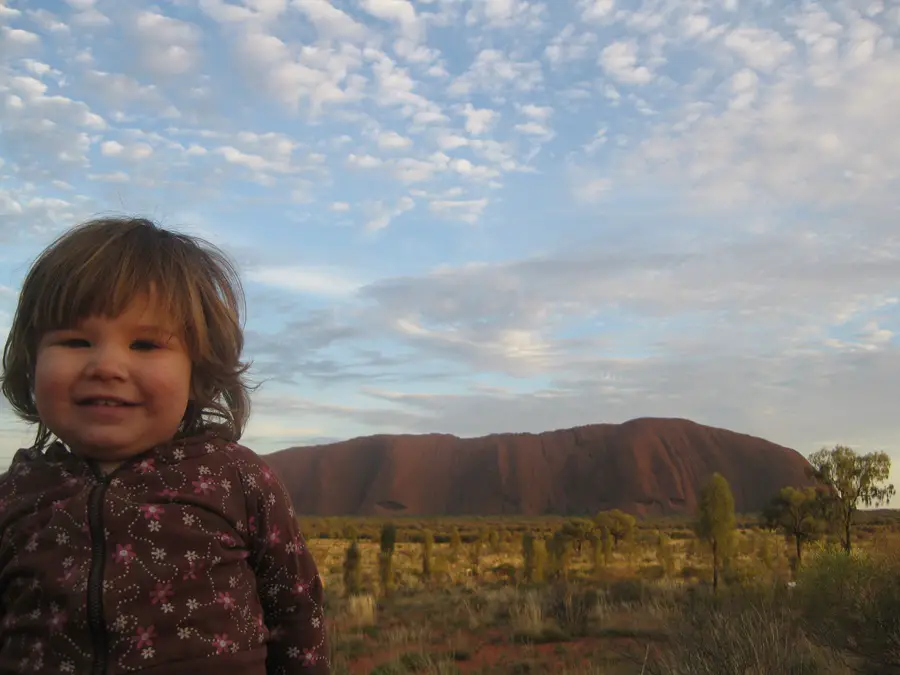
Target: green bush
852,602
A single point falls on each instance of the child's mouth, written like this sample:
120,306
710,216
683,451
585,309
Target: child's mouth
106,403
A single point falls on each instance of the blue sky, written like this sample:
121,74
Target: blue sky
473,216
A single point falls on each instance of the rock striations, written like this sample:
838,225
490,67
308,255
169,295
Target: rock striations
647,466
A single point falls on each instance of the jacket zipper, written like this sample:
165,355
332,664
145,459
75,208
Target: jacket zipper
96,619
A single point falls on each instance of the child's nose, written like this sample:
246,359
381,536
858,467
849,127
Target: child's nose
106,362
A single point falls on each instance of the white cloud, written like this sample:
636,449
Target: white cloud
400,12
8,12
114,177
537,112
391,140
478,120
760,49
569,45
339,207
535,129
363,161
17,40
47,21
308,280
466,210
382,215
331,22
596,10
619,60
494,72
313,75
167,46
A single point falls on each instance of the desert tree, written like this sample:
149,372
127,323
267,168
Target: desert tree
579,530
619,524
665,556
455,543
386,557
798,514
851,480
353,570
716,523
534,554
427,554
559,549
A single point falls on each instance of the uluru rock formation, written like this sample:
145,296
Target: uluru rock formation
646,466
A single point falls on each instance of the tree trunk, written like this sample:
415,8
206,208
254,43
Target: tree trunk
715,548
848,523
799,547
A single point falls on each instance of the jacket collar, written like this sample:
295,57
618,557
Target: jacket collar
172,452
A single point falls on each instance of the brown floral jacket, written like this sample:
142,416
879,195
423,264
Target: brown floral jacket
183,558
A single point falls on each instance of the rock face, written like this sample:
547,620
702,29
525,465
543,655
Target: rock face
646,466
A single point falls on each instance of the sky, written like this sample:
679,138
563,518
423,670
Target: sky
477,216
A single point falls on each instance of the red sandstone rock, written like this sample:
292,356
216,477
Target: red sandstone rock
646,466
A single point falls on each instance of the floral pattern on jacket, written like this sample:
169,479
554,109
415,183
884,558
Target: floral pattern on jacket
186,556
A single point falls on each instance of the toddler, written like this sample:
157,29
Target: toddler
136,534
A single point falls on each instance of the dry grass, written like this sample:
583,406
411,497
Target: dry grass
625,619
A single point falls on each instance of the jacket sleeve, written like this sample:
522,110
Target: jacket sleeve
287,578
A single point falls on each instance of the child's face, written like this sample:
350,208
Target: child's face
113,388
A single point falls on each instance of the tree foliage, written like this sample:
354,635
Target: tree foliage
716,523
579,531
798,514
619,524
851,480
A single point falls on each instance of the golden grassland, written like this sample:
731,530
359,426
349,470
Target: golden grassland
640,612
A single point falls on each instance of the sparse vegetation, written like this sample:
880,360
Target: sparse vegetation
717,594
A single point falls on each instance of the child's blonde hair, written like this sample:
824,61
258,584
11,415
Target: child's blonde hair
97,269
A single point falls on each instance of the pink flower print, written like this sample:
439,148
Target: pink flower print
251,524
169,493
309,657
221,642
274,535
145,636
57,620
203,486
226,539
161,594
124,554
301,588
60,504
267,475
225,599
152,511
192,570
146,466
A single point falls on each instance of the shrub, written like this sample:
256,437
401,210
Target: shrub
852,602
741,636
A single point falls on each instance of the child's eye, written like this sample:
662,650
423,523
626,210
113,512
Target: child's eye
75,342
144,345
